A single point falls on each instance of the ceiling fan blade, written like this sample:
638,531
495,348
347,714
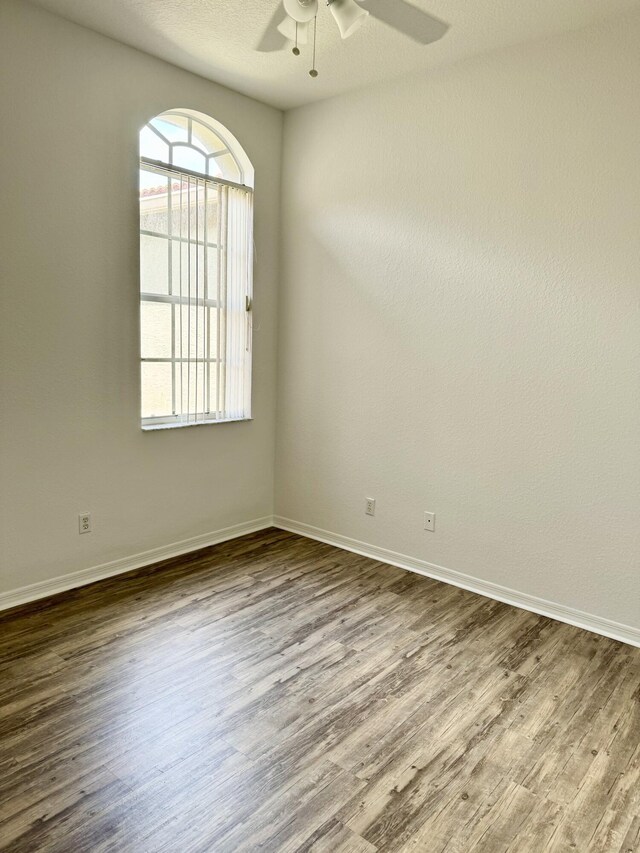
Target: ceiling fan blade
407,19
288,29
272,39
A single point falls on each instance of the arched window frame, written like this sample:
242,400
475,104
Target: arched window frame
195,304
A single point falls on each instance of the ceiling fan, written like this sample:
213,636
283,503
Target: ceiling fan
292,20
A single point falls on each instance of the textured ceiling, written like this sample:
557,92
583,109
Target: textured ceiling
217,39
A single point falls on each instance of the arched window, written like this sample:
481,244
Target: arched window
196,260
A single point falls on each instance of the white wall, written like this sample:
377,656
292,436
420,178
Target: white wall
459,323
460,318
71,105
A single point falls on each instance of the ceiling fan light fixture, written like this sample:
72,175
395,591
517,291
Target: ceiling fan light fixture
301,11
348,15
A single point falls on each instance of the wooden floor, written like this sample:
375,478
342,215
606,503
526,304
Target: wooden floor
277,694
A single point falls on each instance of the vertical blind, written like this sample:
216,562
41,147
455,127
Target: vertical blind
196,287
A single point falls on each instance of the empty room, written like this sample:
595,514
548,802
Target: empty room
320,426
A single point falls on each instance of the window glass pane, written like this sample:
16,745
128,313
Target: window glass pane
183,209
191,330
154,205
152,146
225,167
212,215
189,158
172,127
154,264
191,267
191,388
155,329
177,264
156,390
206,139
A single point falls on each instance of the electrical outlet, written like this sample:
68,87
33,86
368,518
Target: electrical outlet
370,506
84,522
430,521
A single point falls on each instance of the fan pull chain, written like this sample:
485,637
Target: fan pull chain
314,71
296,49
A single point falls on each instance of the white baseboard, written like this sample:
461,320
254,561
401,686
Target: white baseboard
587,621
606,627
43,589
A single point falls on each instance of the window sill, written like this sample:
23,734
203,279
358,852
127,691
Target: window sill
158,427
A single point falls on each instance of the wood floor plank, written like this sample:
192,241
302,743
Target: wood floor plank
274,693
631,841
335,837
